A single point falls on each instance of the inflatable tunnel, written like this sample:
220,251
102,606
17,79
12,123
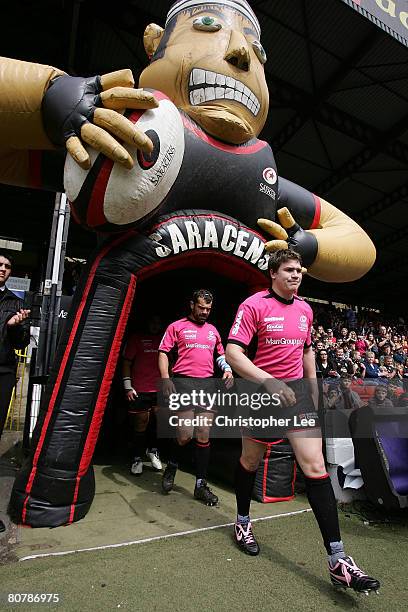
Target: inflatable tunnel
56,485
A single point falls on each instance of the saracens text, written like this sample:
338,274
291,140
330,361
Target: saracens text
186,234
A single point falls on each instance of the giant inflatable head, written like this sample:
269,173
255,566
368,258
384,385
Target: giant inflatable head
209,62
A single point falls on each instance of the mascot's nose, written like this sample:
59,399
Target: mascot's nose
238,52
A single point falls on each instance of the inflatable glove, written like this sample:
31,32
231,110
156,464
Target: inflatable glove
77,108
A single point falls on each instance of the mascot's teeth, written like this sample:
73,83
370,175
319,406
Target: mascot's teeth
205,85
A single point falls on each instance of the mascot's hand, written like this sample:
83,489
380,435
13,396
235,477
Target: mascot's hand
290,235
90,109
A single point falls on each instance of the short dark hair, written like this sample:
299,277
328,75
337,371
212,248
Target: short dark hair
7,256
277,258
204,294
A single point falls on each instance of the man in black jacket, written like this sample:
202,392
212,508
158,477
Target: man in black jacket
14,334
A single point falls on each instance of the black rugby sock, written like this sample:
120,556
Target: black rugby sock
152,432
321,498
174,452
244,484
202,459
139,443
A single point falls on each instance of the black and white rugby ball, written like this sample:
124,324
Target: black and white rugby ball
110,198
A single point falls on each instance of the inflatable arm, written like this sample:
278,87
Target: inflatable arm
333,246
42,108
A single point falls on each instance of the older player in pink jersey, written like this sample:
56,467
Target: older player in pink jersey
197,343
140,377
282,323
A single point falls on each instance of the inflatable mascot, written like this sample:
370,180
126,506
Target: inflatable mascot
183,178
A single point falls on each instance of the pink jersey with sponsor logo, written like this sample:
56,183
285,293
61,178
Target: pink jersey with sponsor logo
282,328
142,351
195,344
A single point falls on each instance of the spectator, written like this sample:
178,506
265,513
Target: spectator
343,365
324,365
394,390
319,346
359,367
370,366
371,343
342,397
380,399
399,356
344,334
361,344
389,364
330,336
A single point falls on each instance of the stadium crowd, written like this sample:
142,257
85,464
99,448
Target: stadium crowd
356,352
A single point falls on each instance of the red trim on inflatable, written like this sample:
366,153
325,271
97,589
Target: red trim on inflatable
73,213
318,210
294,478
271,500
265,473
62,368
267,498
268,444
94,215
222,146
34,169
228,267
95,425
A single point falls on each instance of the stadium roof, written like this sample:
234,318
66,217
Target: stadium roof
338,121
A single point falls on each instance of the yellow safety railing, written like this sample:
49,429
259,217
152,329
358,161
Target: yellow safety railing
15,410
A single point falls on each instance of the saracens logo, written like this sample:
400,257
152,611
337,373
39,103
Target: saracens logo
145,160
303,323
270,176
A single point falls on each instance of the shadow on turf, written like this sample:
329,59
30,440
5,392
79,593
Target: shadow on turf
177,505
343,599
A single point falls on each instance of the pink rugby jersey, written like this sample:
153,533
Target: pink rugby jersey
282,328
195,344
142,350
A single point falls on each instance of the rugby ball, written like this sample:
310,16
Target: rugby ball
110,198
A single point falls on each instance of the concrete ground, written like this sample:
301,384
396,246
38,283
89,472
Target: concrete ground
128,508
140,550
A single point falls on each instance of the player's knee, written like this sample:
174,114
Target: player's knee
250,463
202,434
183,439
314,468
141,422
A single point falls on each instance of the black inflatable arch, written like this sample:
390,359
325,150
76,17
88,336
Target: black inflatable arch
56,485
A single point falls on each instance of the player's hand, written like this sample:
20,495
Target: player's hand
289,234
286,394
228,377
19,317
168,387
77,109
131,395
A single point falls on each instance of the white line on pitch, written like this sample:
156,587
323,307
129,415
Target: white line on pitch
160,537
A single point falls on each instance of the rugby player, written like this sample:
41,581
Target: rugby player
196,343
140,375
284,353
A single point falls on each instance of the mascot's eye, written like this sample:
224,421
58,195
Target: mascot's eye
260,51
208,24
